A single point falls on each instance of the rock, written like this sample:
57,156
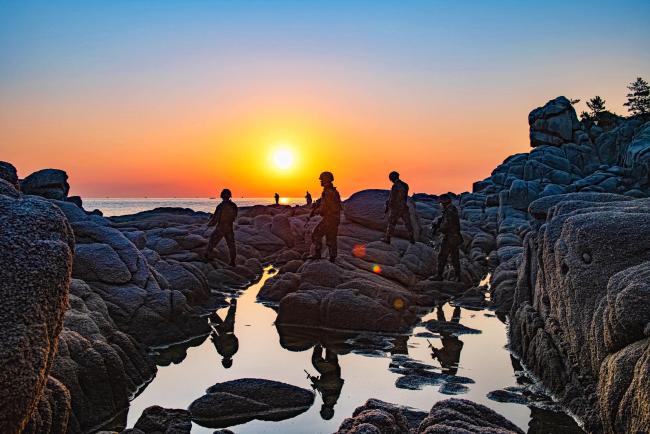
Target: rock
48,183
367,209
238,401
460,415
36,247
553,124
156,419
7,189
9,174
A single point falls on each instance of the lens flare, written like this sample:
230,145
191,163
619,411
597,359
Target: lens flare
359,250
398,304
376,269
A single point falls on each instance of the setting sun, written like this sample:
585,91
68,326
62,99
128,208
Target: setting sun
283,158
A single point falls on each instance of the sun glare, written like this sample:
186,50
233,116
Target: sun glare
283,158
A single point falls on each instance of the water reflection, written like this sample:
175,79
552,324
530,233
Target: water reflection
449,355
223,334
329,384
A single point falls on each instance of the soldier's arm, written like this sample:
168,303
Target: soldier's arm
213,217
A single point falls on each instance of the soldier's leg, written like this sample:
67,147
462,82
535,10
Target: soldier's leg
406,216
455,260
390,228
331,239
215,237
229,235
317,239
442,257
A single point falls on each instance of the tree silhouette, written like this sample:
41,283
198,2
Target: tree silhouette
596,105
638,100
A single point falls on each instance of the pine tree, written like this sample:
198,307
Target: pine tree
596,105
638,100
585,116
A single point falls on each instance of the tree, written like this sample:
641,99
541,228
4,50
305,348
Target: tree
585,116
574,101
596,105
638,100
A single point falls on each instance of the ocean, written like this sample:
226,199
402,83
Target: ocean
125,206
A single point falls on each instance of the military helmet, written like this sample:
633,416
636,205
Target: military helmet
226,193
393,176
326,177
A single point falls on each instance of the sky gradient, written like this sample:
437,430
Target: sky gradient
161,99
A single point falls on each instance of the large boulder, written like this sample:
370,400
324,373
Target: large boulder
553,124
8,173
239,401
367,208
36,248
156,419
48,183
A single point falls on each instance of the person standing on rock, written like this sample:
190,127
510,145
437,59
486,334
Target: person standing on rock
329,207
330,383
448,224
308,198
223,334
223,219
397,208
276,196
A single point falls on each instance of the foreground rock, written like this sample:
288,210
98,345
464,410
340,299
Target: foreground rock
156,419
451,416
581,312
36,248
238,401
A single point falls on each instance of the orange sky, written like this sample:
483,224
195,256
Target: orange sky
184,102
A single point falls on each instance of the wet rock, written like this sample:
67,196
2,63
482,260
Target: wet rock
377,416
48,183
36,247
460,415
448,327
238,401
156,419
504,395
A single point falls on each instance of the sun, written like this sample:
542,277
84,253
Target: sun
283,158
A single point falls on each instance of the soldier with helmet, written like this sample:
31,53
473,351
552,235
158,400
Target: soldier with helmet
448,224
397,208
223,219
329,208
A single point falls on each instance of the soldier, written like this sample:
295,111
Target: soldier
330,383
223,219
223,334
449,354
449,225
308,198
276,196
397,207
329,207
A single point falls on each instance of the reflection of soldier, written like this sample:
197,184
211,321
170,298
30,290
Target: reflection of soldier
330,383
223,218
449,225
223,334
308,198
449,354
329,207
277,198
397,207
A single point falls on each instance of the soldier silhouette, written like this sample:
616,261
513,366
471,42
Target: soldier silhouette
449,354
276,196
223,219
308,198
223,334
329,207
329,383
449,225
397,208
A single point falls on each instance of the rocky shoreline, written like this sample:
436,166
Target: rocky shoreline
562,230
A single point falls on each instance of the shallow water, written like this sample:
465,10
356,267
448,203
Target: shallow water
483,358
126,206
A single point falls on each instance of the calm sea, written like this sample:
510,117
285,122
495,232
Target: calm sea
124,206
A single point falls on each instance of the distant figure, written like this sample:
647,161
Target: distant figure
308,198
330,383
449,354
397,208
449,226
223,334
277,198
329,207
223,219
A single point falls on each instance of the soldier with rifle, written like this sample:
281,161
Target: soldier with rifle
448,224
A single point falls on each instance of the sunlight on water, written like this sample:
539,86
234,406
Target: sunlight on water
483,358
